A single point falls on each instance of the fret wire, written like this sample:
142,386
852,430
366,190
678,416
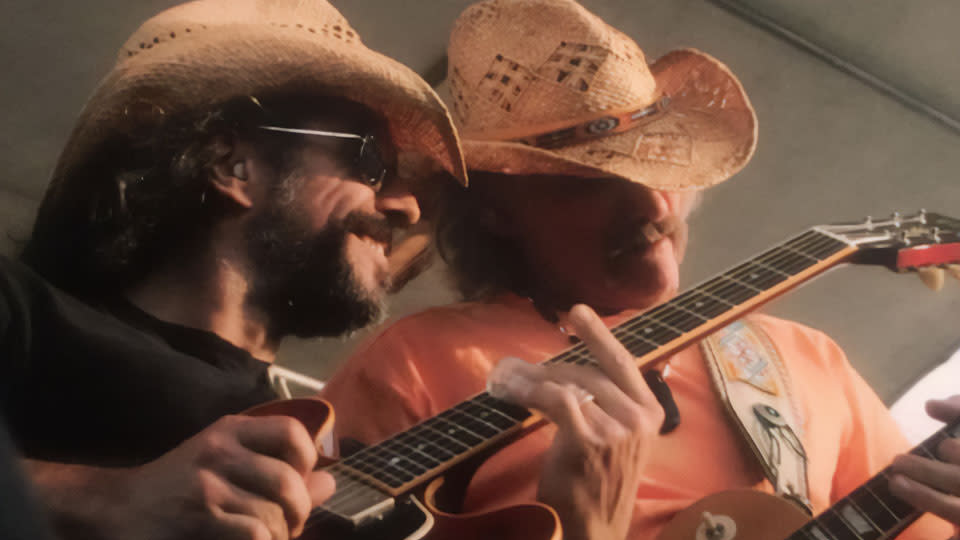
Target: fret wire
825,533
744,284
888,499
409,447
802,254
392,457
488,410
379,471
423,427
376,457
496,403
863,514
414,443
839,517
469,417
866,489
827,246
669,321
635,335
465,430
697,315
871,509
926,452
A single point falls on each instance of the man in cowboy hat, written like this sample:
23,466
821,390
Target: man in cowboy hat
235,178
585,163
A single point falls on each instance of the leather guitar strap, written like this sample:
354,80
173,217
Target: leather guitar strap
752,383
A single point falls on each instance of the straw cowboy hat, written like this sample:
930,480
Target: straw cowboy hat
546,87
199,54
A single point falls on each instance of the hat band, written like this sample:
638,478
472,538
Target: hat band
604,126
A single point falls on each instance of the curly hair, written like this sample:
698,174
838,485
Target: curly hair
142,200
481,261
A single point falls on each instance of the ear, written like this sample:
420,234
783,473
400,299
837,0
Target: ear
229,177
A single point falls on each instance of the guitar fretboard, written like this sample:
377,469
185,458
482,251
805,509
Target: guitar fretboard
430,447
872,512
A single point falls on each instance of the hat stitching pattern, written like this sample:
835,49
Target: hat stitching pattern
335,31
458,86
144,45
505,82
574,65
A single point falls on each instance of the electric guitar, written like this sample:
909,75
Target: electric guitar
870,512
394,490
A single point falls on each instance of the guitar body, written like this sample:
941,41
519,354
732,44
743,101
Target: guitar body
754,516
412,519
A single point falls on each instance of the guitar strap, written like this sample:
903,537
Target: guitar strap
753,384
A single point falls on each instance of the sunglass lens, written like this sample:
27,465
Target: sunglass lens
370,163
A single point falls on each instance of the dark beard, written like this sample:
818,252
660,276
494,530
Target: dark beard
302,280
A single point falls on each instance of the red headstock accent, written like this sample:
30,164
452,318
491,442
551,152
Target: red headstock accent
928,255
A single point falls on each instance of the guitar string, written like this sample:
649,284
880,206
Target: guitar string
806,241
771,259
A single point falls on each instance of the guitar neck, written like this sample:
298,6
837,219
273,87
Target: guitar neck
404,461
872,512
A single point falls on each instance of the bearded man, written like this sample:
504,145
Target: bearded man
585,163
233,180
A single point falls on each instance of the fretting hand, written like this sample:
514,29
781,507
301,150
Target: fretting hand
607,421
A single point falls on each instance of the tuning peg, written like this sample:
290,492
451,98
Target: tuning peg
932,277
954,270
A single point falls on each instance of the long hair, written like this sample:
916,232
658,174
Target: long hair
142,200
481,261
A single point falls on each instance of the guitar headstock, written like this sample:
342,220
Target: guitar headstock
925,242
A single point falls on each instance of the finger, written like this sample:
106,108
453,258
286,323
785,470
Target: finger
282,437
949,451
614,359
241,502
945,410
925,498
272,480
239,527
608,396
321,486
601,424
559,403
941,476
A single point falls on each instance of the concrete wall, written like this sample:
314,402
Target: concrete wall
831,148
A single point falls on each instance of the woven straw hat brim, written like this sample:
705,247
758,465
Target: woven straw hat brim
707,134
209,66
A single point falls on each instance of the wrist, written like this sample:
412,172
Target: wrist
82,501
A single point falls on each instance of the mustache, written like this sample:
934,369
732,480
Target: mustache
378,228
638,235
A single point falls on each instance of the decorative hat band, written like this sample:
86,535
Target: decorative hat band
596,128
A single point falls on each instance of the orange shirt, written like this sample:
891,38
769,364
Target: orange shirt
431,361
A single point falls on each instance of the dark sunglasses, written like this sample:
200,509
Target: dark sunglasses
368,163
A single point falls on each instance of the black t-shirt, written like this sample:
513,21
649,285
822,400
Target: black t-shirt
110,386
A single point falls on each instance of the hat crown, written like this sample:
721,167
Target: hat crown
528,63
203,16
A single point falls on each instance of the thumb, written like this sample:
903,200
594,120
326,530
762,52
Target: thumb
321,486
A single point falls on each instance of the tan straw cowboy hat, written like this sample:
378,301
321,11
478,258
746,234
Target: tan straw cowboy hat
546,87
199,54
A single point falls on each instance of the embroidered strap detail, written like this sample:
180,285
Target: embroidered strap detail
752,382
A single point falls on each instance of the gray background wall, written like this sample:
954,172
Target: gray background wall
831,148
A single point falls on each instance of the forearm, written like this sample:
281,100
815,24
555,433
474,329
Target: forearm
81,501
